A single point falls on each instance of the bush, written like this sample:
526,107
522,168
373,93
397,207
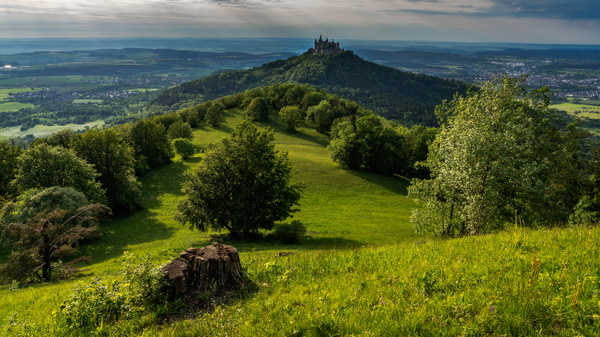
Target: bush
584,213
184,147
180,129
45,166
289,233
258,110
243,185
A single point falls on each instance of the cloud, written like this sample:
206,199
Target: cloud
543,9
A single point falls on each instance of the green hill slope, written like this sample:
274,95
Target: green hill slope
342,209
406,97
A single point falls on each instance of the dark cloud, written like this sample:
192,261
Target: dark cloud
545,9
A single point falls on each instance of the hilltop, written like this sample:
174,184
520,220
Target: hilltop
402,96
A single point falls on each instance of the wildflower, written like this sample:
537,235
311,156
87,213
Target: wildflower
492,308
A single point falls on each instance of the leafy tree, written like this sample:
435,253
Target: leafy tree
184,147
180,129
365,142
46,166
113,158
151,145
290,115
49,236
215,114
166,120
32,202
417,140
258,109
64,138
320,116
8,166
311,98
243,185
499,156
191,117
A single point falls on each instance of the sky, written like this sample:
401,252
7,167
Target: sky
532,21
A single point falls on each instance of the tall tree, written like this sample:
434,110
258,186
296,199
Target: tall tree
113,158
151,145
44,166
499,154
243,185
8,166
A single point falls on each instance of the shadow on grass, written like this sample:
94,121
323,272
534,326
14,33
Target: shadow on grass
261,242
142,226
395,184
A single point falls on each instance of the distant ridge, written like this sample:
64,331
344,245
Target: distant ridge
406,97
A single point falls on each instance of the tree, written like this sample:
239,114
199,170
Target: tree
8,166
258,109
49,236
151,145
180,129
214,114
320,116
365,142
243,185
499,156
290,115
113,158
417,139
184,147
46,166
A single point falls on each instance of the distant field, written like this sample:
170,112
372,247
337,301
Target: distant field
10,106
586,110
45,130
87,101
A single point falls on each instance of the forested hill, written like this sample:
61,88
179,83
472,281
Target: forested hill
406,97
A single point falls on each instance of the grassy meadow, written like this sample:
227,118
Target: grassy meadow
10,106
360,272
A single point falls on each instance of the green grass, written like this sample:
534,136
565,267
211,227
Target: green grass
361,272
11,106
581,109
46,130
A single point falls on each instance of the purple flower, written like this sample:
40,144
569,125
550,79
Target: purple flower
492,309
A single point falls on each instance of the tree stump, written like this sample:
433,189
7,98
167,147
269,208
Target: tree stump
215,268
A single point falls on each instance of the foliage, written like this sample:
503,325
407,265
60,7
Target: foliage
258,109
50,236
180,129
416,143
320,116
8,166
214,114
406,97
32,202
584,213
243,185
151,145
291,115
184,147
366,143
44,166
113,158
289,233
498,156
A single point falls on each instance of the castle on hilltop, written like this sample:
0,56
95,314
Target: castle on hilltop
326,47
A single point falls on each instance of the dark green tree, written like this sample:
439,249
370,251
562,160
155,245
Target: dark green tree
8,166
113,158
215,114
45,166
184,147
321,116
180,129
258,109
243,185
290,115
151,145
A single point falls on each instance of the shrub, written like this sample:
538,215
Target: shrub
180,129
243,185
290,115
46,166
184,147
289,233
584,213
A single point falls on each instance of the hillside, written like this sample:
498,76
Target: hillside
361,271
406,97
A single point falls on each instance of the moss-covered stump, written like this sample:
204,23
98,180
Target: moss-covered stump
215,268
